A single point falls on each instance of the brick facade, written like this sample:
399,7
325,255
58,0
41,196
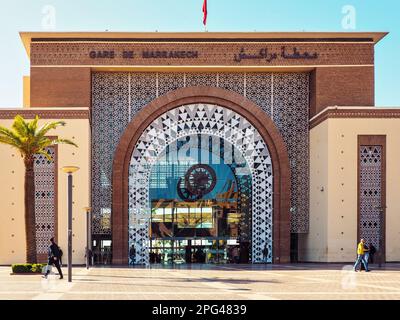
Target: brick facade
208,54
61,87
341,86
342,73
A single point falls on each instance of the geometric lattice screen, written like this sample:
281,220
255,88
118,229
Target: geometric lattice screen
370,194
45,199
118,96
209,120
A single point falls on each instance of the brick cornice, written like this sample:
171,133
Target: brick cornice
264,54
353,113
45,114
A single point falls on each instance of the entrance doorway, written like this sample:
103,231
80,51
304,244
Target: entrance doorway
102,253
200,204
188,251
201,172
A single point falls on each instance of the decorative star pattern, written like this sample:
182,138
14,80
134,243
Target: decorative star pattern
44,172
117,97
209,120
370,193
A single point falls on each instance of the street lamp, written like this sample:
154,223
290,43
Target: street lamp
69,170
88,235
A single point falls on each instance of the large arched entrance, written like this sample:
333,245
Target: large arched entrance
207,114
201,173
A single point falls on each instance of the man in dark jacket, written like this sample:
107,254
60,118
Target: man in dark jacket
372,251
132,254
265,253
54,253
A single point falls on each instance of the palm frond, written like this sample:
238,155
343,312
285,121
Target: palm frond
64,141
32,126
4,132
43,152
43,142
9,141
35,146
43,130
20,126
28,139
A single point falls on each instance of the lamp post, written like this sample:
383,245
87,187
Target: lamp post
69,170
88,235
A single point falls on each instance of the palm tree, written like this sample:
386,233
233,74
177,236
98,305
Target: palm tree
30,140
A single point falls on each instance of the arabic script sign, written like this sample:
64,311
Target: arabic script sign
264,54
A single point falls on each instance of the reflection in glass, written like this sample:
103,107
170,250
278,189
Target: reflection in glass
200,196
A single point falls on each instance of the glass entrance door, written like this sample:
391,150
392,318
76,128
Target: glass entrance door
200,196
192,251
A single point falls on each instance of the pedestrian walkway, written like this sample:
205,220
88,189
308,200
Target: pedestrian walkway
209,282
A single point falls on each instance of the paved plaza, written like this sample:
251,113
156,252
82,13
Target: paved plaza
206,282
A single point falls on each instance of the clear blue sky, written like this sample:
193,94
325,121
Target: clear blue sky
186,15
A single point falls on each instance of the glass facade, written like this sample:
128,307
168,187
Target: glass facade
197,214
210,172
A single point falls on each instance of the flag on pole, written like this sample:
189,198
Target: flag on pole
205,12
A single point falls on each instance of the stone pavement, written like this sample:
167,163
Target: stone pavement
208,282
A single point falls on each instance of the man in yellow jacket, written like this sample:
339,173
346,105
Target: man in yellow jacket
360,256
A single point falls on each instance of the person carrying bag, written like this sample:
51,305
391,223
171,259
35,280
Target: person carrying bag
54,253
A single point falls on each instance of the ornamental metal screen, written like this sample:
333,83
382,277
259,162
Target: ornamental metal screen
118,96
45,199
201,120
370,194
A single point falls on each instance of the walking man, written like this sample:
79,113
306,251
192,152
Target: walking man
372,251
132,254
265,253
54,253
360,256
